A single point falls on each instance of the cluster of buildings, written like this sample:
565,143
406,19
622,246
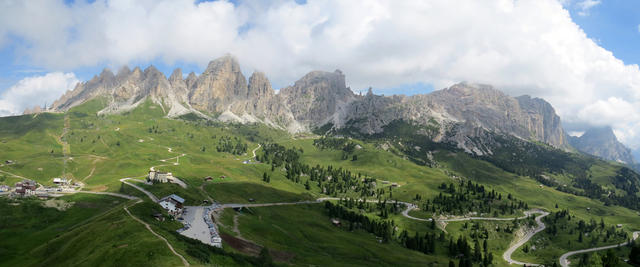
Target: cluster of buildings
173,204
26,188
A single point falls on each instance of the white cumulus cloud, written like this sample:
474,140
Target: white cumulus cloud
520,46
35,91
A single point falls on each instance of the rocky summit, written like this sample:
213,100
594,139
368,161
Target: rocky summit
602,142
463,114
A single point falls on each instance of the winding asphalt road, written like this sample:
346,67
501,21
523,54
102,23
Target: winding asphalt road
149,194
564,261
507,254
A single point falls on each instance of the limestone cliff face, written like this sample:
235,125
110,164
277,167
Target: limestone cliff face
484,106
220,84
602,142
319,97
462,111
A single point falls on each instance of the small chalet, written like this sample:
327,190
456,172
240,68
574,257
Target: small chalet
208,178
172,203
4,188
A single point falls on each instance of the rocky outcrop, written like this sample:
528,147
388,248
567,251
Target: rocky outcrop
220,84
463,114
524,117
318,98
602,142
34,110
99,85
460,112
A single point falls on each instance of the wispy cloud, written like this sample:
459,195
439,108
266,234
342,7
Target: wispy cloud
586,5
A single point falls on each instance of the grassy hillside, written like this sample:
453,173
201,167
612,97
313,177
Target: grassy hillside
98,150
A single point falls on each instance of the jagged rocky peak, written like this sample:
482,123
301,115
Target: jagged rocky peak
318,97
176,75
602,142
106,78
319,81
259,86
191,79
221,81
123,73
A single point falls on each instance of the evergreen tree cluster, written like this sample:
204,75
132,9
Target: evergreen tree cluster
382,207
472,197
563,222
469,255
424,243
347,146
231,145
634,254
381,228
331,181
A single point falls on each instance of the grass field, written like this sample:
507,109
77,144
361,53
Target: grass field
100,150
306,232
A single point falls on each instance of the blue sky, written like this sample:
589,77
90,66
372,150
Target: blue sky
613,24
408,47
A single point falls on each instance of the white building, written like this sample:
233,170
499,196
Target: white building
172,203
61,181
162,177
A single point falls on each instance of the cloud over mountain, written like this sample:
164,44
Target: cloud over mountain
35,91
522,47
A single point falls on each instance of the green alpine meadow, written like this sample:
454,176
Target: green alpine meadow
436,133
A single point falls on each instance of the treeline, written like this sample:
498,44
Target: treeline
331,181
564,222
531,159
346,146
382,207
472,197
468,255
625,179
231,145
385,229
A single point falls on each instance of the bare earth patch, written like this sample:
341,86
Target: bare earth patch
254,249
99,188
58,204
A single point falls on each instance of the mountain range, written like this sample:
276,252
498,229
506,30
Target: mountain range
464,114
